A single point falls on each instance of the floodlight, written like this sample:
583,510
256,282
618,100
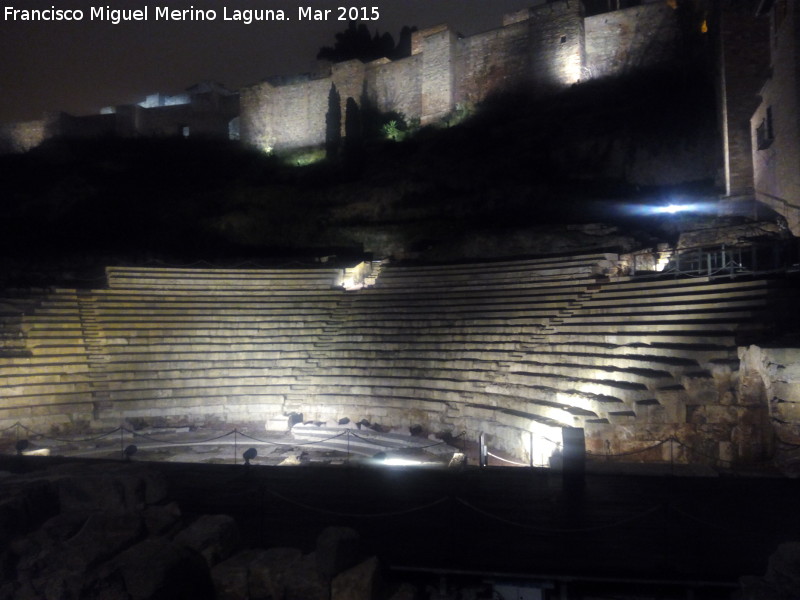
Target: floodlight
249,455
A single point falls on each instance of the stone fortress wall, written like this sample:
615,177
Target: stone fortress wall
208,109
547,47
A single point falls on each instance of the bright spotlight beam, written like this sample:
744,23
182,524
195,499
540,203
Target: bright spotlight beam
672,209
669,209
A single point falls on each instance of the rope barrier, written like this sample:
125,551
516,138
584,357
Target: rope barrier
375,443
557,530
66,440
726,269
632,452
378,444
178,443
699,453
268,442
506,460
702,521
358,515
292,444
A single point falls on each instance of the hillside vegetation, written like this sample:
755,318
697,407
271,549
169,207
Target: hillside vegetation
489,180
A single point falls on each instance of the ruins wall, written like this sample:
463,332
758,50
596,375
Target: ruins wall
289,116
492,61
21,137
557,45
744,41
170,120
438,75
549,45
770,378
776,175
625,40
349,78
396,86
82,127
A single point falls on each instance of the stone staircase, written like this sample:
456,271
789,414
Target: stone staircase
96,355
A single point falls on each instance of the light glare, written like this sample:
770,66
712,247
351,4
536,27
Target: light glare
401,462
671,209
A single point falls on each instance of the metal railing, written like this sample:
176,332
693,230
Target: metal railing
731,261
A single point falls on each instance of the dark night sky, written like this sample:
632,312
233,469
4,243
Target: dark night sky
79,67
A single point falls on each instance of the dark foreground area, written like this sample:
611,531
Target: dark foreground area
636,533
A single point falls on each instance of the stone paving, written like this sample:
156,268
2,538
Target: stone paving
183,445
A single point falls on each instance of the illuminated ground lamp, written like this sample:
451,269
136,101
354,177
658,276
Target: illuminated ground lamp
22,449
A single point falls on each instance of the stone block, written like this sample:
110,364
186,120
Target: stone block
338,548
302,580
109,487
160,519
215,537
786,391
783,569
254,574
405,591
362,582
156,568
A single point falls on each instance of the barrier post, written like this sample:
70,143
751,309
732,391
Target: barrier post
530,453
672,455
235,448
122,440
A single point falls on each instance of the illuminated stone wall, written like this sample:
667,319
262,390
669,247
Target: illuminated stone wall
438,75
777,162
287,116
545,48
743,51
396,85
208,110
770,380
626,40
493,60
21,137
558,45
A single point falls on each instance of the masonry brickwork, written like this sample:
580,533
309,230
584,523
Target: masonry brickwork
208,109
545,48
21,137
743,61
774,127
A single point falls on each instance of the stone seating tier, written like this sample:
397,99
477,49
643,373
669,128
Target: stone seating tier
495,347
222,279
